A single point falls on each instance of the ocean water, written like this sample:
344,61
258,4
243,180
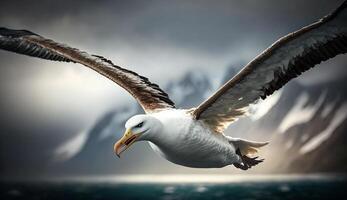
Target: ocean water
181,187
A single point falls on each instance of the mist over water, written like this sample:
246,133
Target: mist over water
62,120
182,187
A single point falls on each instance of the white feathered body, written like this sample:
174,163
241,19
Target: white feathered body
190,142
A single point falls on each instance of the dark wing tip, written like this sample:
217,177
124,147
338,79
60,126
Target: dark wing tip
337,11
17,41
149,95
15,33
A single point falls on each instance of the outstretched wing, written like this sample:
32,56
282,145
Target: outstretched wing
148,94
285,59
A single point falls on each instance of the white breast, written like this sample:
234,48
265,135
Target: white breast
191,143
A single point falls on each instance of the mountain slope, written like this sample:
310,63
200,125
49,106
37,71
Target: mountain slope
297,116
96,154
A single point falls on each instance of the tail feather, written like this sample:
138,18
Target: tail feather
246,147
251,151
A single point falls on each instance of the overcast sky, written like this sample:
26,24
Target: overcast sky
159,39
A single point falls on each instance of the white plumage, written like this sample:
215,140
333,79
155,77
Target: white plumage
175,135
191,143
194,137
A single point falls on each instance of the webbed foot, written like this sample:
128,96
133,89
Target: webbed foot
247,162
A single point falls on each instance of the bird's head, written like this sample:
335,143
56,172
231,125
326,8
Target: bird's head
138,127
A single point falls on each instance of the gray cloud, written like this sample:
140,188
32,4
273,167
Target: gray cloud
53,101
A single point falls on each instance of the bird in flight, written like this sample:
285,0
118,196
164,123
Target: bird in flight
194,137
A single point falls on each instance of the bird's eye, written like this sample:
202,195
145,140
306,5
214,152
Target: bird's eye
139,125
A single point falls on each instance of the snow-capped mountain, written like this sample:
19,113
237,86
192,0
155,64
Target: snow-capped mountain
311,136
190,90
306,128
304,124
91,152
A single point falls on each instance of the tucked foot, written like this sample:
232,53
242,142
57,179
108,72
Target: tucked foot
247,162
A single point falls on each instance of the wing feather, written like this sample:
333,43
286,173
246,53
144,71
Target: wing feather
286,59
148,94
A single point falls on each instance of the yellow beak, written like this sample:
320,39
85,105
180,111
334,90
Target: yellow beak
125,142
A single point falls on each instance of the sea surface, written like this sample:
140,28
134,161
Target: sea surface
181,187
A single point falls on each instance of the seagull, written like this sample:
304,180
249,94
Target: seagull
195,137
